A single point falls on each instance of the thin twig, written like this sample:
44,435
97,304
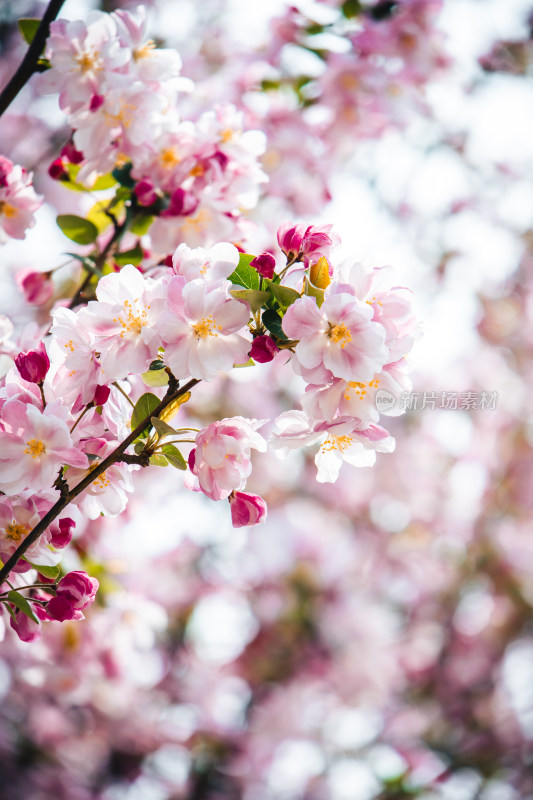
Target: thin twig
63,502
29,62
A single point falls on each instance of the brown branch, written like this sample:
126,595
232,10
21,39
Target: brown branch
29,62
172,394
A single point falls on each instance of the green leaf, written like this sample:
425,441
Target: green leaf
351,8
155,376
98,217
48,572
28,28
141,224
283,294
104,182
144,407
11,610
22,604
313,291
158,461
157,364
138,447
87,262
249,363
133,256
245,275
162,428
123,175
174,457
254,297
78,229
272,322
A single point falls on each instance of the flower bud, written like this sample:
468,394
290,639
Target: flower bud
26,629
71,154
247,509
101,395
61,532
56,170
290,239
265,264
78,588
264,348
33,365
37,286
5,168
145,193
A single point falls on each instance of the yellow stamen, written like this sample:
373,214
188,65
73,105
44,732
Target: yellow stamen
16,531
144,51
341,443
169,158
134,318
206,327
35,448
70,345
88,62
8,210
340,334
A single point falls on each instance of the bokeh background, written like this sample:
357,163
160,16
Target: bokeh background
373,640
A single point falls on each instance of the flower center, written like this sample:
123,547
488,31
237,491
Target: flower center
88,62
227,135
144,51
206,327
35,448
360,388
340,334
16,531
169,158
7,210
340,443
134,318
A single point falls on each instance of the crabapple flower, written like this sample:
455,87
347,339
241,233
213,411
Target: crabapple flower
247,509
73,348
33,365
306,243
17,518
199,330
37,444
107,494
75,591
18,201
214,264
343,439
221,460
123,322
37,286
339,336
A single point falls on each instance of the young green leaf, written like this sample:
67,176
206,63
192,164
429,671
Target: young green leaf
162,428
78,229
28,28
158,460
245,275
272,322
48,572
22,604
174,457
141,224
283,294
133,256
254,297
144,407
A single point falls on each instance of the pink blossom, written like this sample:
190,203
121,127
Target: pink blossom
247,509
200,329
216,263
18,203
108,493
33,365
73,349
32,448
339,336
123,322
37,286
18,517
28,630
221,460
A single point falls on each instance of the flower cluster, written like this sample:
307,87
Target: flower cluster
64,432
18,201
120,93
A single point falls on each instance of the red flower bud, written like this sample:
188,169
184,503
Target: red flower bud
265,264
101,395
264,348
37,286
247,509
33,365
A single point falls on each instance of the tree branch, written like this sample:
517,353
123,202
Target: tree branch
29,63
116,455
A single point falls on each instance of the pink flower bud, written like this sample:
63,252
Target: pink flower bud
182,204
264,348
5,168
317,242
37,286
26,629
145,192
97,101
101,395
56,170
265,264
290,239
61,532
60,609
247,509
71,154
33,365
78,588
